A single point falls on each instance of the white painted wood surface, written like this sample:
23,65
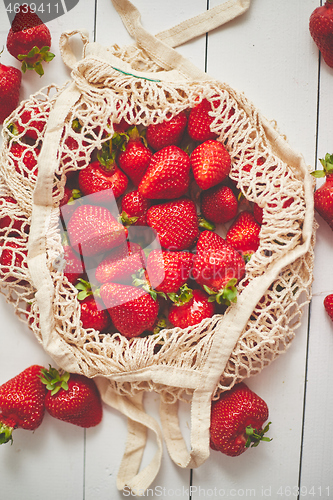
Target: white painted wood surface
269,55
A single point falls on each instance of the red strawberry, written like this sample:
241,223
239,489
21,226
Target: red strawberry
71,152
12,226
219,204
168,175
192,312
237,418
176,223
258,213
169,132
22,401
74,268
211,163
323,197
132,310
199,122
328,304
72,398
93,230
97,180
25,160
217,267
135,158
10,84
321,30
32,121
134,209
29,40
243,234
121,263
92,310
168,271
13,262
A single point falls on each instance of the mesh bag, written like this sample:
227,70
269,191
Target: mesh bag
146,83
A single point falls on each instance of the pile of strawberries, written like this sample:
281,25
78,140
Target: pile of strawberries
140,226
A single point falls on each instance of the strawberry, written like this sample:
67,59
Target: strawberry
258,213
219,204
132,310
72,398
10,84
121,263
93,230
25,160
12,226
97,180
321,30
135,158
169,132
92,310
71,152
29,40
176,223
168,271
134,209
217,267
323,197
210,163
13,262
237,418
199,122
243,234
192,312
22,401
31,122
74,268
328,304
168,175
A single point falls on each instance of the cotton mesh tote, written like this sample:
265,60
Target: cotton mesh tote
142,84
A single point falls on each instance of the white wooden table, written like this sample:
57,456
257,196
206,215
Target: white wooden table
269,55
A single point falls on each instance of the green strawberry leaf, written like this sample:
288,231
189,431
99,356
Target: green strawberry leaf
183,295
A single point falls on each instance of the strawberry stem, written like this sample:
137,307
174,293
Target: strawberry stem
5,433
254,436
327,164
54,380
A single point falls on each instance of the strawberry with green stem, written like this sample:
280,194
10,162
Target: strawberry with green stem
92,230
321,30
210,163
132,309
22,403
92,310
134,159
168,174
243,234
134,209
323,196
237,420
10,85
175,222
192,311
169,271
72,398
29,40
120,263
217,268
